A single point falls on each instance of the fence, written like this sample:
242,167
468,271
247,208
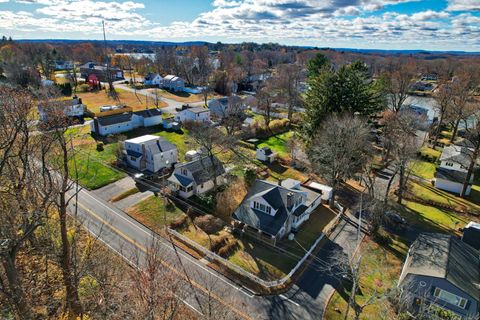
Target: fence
267,284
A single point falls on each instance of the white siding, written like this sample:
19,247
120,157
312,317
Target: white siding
450,186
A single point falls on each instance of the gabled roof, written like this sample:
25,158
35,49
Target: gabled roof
444,256
155,144
451,175
151,76
456,154
197,110
147,113
115,119
201,169
276,196
181,180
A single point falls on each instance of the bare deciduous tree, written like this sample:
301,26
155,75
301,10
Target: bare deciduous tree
398,79
340,149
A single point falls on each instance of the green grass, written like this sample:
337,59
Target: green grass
431,218
423,169
181,140
150,212
429,152
278,143
93,174
430,193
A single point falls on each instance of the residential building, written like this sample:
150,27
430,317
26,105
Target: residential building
441,274
429,77
153,79
197,177
63,65
265,154
222,107
126,121
169,123
197,114
173,83
271,211
471,234
452,172
151,153
100,72
71,108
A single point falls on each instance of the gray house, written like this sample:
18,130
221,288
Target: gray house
197,177
271,211
441,275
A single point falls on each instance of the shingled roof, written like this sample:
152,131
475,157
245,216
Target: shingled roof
276,196
201,169
444,256
456,154
115,119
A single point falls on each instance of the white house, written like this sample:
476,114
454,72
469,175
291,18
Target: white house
272,211
265,154
226,106
73,108
453,168
172,83
147,118
197,177
153,79
150,153
123,122
193,114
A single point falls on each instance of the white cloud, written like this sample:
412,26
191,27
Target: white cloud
463,5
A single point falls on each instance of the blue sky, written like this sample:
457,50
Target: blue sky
382,24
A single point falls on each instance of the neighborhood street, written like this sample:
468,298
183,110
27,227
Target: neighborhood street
305,300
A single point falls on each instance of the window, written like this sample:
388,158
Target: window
133,158
269,210
184,171
262,207
449,164
450,298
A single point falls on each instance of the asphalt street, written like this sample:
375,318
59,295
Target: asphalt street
305,300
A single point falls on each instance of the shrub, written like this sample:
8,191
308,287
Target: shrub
228,249
65,88
179,222
206,200
218,242
83,88
250,174
278,125
100,146
209,223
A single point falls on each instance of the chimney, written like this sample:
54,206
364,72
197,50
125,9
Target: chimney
280,182
289,199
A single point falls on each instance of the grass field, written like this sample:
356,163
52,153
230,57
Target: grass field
150,212
423,169
380,269
429,152
278,143
94,100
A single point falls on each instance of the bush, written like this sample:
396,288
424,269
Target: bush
100,146
83,88
179,222
209,223
228,249
218,242
65,89
206,200
250,174
278,125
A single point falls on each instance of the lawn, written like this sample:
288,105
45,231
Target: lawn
278,143
150,212
430,153
94,100
432,219
423,169
380,269
92,165
181,140
430,193
92,174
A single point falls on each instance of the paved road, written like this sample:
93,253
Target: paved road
305,300
172,104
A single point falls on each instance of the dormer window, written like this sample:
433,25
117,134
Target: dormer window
449,164
184,171
262,207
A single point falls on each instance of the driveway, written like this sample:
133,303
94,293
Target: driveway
115,188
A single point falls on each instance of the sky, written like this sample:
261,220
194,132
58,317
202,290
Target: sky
366,24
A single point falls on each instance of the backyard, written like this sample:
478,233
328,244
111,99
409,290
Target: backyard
181,96
278,143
